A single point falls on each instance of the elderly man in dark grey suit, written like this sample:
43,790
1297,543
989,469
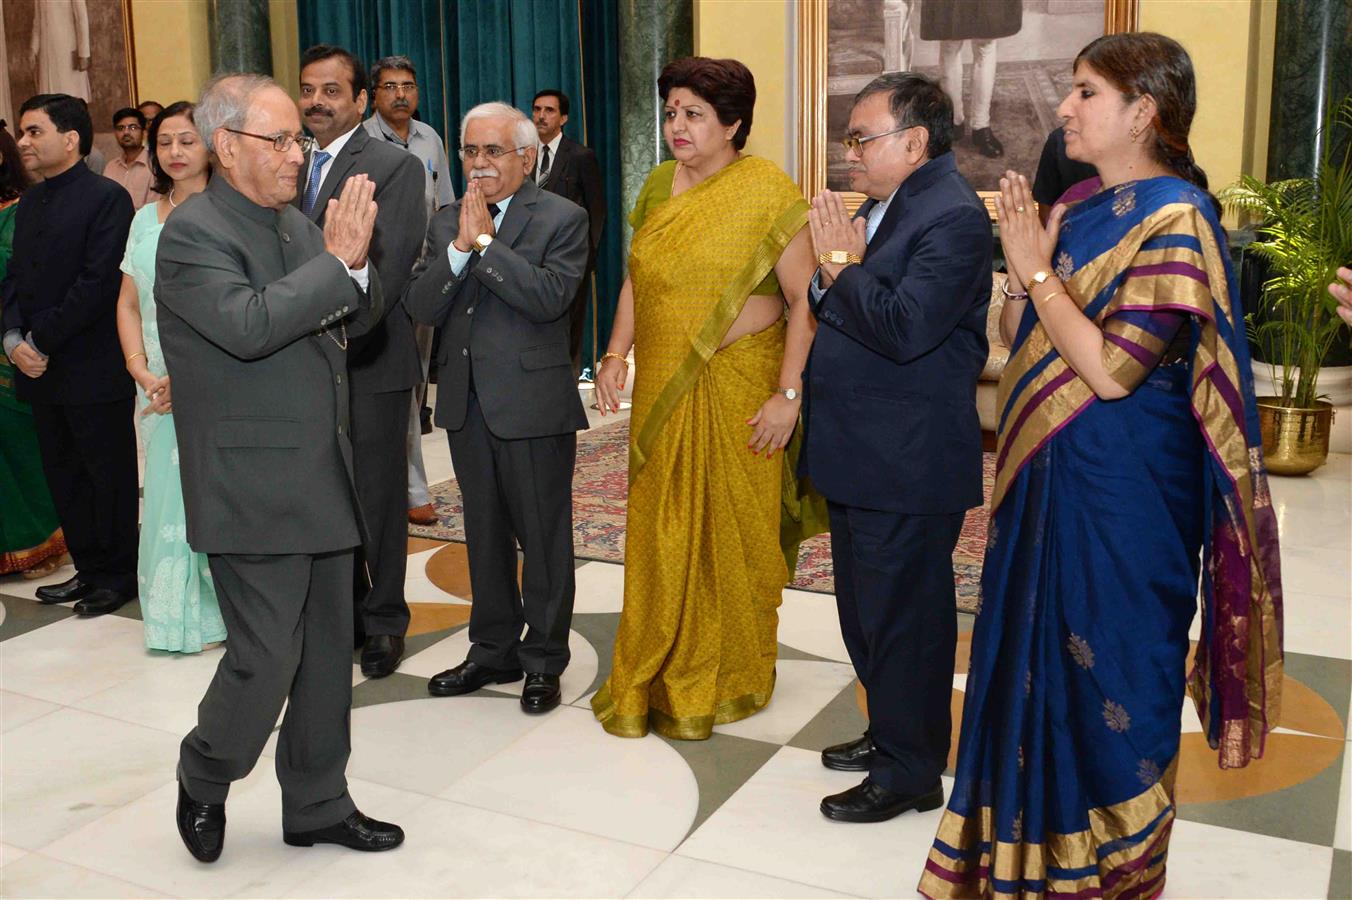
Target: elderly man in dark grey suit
383,364
498,275
256,306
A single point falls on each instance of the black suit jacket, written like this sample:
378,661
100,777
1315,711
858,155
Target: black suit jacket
575,175
70,234
889,406
251,311
386,358
506,316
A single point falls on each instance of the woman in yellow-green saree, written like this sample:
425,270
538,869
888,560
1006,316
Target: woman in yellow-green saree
719,252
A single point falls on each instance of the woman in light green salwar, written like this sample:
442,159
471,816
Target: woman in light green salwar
178,601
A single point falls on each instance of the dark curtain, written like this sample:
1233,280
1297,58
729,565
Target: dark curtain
473,51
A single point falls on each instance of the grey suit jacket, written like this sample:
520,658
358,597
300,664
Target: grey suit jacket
506,316
385,358
243,296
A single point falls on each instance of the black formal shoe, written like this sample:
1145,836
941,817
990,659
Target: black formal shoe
425,420
541,693
201,825
469,677
66,591
381,654
356,832
987,143
871,802
100,602
851,756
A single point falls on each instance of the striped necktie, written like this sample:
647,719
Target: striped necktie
316,175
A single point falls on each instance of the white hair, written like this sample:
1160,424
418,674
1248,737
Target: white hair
225,103
523,131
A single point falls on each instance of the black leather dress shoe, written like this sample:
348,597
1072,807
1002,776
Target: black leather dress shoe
541,693
871,802
66,591
381,654
987,144
356,832
469,677
851,756
201,825
100,602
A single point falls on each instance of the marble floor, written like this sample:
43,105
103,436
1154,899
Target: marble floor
496,803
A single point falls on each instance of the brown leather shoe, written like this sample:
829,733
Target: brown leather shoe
423,515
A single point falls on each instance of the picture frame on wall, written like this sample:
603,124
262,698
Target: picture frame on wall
79,47
1006,63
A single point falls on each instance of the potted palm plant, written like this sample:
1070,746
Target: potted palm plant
1305,233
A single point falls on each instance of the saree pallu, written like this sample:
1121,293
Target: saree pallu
30,532
1105,516
704,564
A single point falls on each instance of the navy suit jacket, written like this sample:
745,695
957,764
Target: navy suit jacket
889,406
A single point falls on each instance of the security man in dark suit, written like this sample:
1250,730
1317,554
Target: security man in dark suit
256,307
569,169
59,302
383,364
891,435
499,271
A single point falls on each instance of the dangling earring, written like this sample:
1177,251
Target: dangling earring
1135,132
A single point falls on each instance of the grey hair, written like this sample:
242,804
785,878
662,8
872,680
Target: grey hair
523,131
393,63
225,103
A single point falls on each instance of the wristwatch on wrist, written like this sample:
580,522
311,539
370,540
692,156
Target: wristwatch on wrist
838,258
482,241
1039,278
789,393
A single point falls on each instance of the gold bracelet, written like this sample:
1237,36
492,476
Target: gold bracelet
608,355
1044,300
134,355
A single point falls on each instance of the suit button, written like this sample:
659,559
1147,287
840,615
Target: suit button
470,311
344,309
286,238
340,379
464,351
340,429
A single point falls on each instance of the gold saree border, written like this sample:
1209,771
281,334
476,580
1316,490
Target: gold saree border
681,728
20,560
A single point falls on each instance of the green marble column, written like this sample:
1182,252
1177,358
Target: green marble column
652,34
241,37
1311,73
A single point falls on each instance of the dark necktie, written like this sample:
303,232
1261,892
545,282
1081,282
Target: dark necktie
493,210
544,166
307,204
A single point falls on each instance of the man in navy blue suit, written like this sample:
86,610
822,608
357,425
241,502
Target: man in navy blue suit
891,434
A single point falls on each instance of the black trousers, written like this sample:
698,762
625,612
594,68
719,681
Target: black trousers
89,458
517,491
290,624
898,615
380,462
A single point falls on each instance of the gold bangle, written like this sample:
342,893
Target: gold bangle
1046,299
134,355
608,355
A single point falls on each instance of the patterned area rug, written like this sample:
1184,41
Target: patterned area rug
601,487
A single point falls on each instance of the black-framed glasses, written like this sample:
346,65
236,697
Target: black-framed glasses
854,143
408,87
280,142
492,151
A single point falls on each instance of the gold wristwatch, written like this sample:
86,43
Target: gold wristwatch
1039,278
482,241
838,258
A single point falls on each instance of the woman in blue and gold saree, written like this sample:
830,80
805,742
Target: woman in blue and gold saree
1129,471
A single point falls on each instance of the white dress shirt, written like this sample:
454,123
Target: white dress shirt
333,149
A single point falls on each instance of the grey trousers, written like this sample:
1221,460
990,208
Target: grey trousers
289,621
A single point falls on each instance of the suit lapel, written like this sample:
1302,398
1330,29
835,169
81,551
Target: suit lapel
518,213
889,221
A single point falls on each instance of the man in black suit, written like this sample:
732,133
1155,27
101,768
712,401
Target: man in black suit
383,365
569,169
891,435
256,307
499,271
59,302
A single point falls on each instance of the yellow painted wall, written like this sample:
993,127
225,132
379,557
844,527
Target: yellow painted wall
173,47
173,53
757,32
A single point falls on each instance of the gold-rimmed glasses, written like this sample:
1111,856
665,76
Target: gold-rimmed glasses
492,151
854,143
280,142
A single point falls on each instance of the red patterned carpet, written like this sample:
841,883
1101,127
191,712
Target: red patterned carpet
601,487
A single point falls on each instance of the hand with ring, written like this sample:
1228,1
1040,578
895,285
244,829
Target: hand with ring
1027,244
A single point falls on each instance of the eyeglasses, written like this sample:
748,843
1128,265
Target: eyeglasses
492,151
408,87
855,144
280,142
132,127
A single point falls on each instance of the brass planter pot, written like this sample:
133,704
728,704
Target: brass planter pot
1295,439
